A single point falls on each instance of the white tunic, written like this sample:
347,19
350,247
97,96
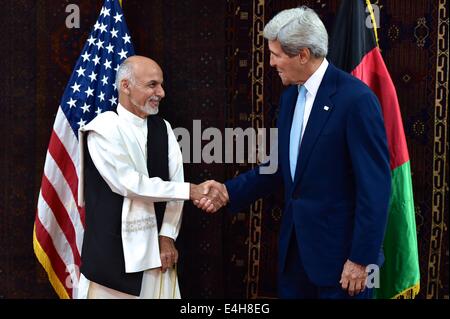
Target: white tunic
118,147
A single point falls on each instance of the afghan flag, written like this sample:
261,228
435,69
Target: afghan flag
353,48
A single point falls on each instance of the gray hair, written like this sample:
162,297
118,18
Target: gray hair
298,28
125,71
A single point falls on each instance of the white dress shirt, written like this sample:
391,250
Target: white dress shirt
312,86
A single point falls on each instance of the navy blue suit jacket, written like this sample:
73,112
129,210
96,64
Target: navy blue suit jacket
339,198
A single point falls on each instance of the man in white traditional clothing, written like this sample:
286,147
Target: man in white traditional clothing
133,188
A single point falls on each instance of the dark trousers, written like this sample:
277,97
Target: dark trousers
293,282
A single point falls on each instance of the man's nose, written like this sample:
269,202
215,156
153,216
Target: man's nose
271,62
161,92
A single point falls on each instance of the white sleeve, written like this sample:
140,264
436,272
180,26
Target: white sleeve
114,164
172,216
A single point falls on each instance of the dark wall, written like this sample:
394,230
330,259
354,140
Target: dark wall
207,51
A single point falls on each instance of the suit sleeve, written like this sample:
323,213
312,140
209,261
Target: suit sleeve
256,183
369,154
250,186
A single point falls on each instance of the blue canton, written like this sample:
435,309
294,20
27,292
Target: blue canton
91,89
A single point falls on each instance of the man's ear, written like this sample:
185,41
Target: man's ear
304,55
125,86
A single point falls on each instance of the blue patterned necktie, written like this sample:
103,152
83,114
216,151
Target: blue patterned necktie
296,129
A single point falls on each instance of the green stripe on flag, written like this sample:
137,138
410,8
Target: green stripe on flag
400,275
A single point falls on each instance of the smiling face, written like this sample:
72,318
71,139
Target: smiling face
144,91
290,69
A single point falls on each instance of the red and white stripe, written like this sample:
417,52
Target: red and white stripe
59,220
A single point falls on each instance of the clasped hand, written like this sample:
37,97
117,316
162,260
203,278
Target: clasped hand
209,196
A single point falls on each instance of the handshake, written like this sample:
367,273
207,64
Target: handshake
209,196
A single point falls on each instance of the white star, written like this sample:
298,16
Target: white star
101,96
85,108
113,100
91,40
103,28
99,44
81,123
114,33
105,80
105,12
123,54
99,110
86,56
115,86
126,39
116,68
96,26
96,60
118,17
75,87
89,92
110,48
80,71
107,64
93,76
72,103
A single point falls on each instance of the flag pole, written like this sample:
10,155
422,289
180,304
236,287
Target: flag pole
372,16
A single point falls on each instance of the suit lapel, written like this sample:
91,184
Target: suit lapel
321,110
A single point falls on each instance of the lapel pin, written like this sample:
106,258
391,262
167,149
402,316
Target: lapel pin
326,108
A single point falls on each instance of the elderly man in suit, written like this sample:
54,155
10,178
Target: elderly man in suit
333,162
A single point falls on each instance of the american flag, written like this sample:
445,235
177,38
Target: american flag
59,223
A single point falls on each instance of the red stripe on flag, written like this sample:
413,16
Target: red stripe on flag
374,73
62,217
65,164
59,267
